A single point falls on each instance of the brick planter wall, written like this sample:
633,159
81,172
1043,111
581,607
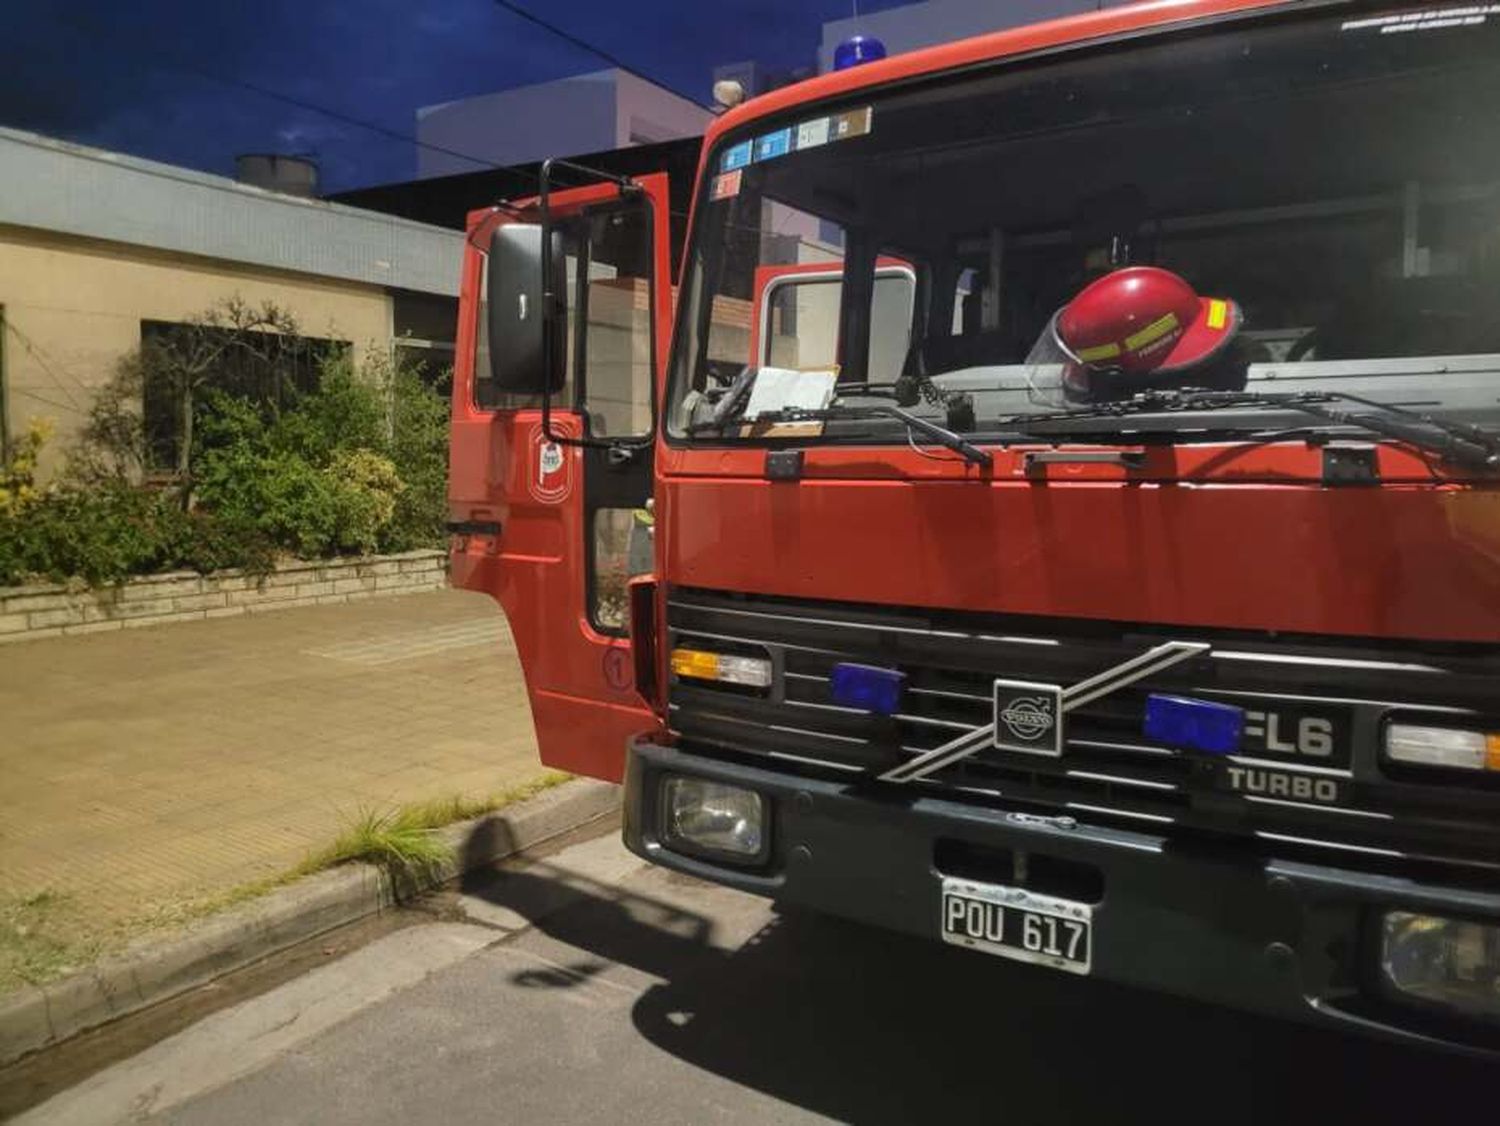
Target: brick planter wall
31,612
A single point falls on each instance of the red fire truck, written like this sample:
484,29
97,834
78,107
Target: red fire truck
1053,508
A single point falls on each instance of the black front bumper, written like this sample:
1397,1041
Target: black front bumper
1282,938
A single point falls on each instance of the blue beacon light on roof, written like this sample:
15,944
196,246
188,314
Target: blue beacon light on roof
857,49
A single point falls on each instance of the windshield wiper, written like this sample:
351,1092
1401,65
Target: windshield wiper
943,437
1458,442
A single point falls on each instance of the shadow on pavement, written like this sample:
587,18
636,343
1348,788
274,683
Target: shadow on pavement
610,923
863,1026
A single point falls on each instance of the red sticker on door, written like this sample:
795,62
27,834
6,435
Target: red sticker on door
551,469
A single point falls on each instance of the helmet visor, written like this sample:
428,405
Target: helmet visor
1053,372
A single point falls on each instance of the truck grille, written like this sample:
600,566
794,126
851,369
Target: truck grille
1109,772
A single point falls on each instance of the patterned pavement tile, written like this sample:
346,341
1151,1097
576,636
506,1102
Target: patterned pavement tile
181,760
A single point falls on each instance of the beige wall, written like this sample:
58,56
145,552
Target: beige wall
73,306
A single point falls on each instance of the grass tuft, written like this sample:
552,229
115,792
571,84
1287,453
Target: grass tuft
403,840
438,812
395,840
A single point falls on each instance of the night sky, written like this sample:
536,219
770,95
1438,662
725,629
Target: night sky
194,82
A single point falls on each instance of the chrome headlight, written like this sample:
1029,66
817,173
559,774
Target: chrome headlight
715,818
1454,963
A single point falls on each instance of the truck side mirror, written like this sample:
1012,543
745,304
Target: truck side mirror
528,341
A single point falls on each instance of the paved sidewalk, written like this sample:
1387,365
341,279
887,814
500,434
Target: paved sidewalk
153,766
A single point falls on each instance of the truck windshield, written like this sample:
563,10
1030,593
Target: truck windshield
1326,191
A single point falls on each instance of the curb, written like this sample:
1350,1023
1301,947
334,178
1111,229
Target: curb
38,1017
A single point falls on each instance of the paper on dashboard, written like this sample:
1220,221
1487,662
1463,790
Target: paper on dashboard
776,389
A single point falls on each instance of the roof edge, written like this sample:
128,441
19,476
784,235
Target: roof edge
180,174
992,46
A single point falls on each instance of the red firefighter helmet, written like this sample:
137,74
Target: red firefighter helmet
1136,325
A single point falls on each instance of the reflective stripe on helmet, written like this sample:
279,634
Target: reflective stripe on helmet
1099,352
1151,333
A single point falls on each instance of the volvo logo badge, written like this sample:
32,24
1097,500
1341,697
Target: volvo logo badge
1027,717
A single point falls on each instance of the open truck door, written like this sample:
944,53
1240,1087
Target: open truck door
564,317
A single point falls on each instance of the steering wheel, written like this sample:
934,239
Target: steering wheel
1302,346
724,372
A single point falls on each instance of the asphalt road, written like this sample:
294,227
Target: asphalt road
587,987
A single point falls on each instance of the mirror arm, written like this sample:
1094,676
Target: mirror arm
624,183
484,229
549,303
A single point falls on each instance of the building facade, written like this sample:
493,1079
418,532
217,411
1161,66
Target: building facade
608,109
96,248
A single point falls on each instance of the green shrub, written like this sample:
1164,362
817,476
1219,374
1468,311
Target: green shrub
209,543
261,475
347,412
366,489
359,465
419,450
100,535
289,501
110,531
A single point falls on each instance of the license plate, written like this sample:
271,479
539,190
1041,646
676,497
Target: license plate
1019,924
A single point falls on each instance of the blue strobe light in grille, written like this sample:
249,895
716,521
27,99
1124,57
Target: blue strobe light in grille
1200,725
866,687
